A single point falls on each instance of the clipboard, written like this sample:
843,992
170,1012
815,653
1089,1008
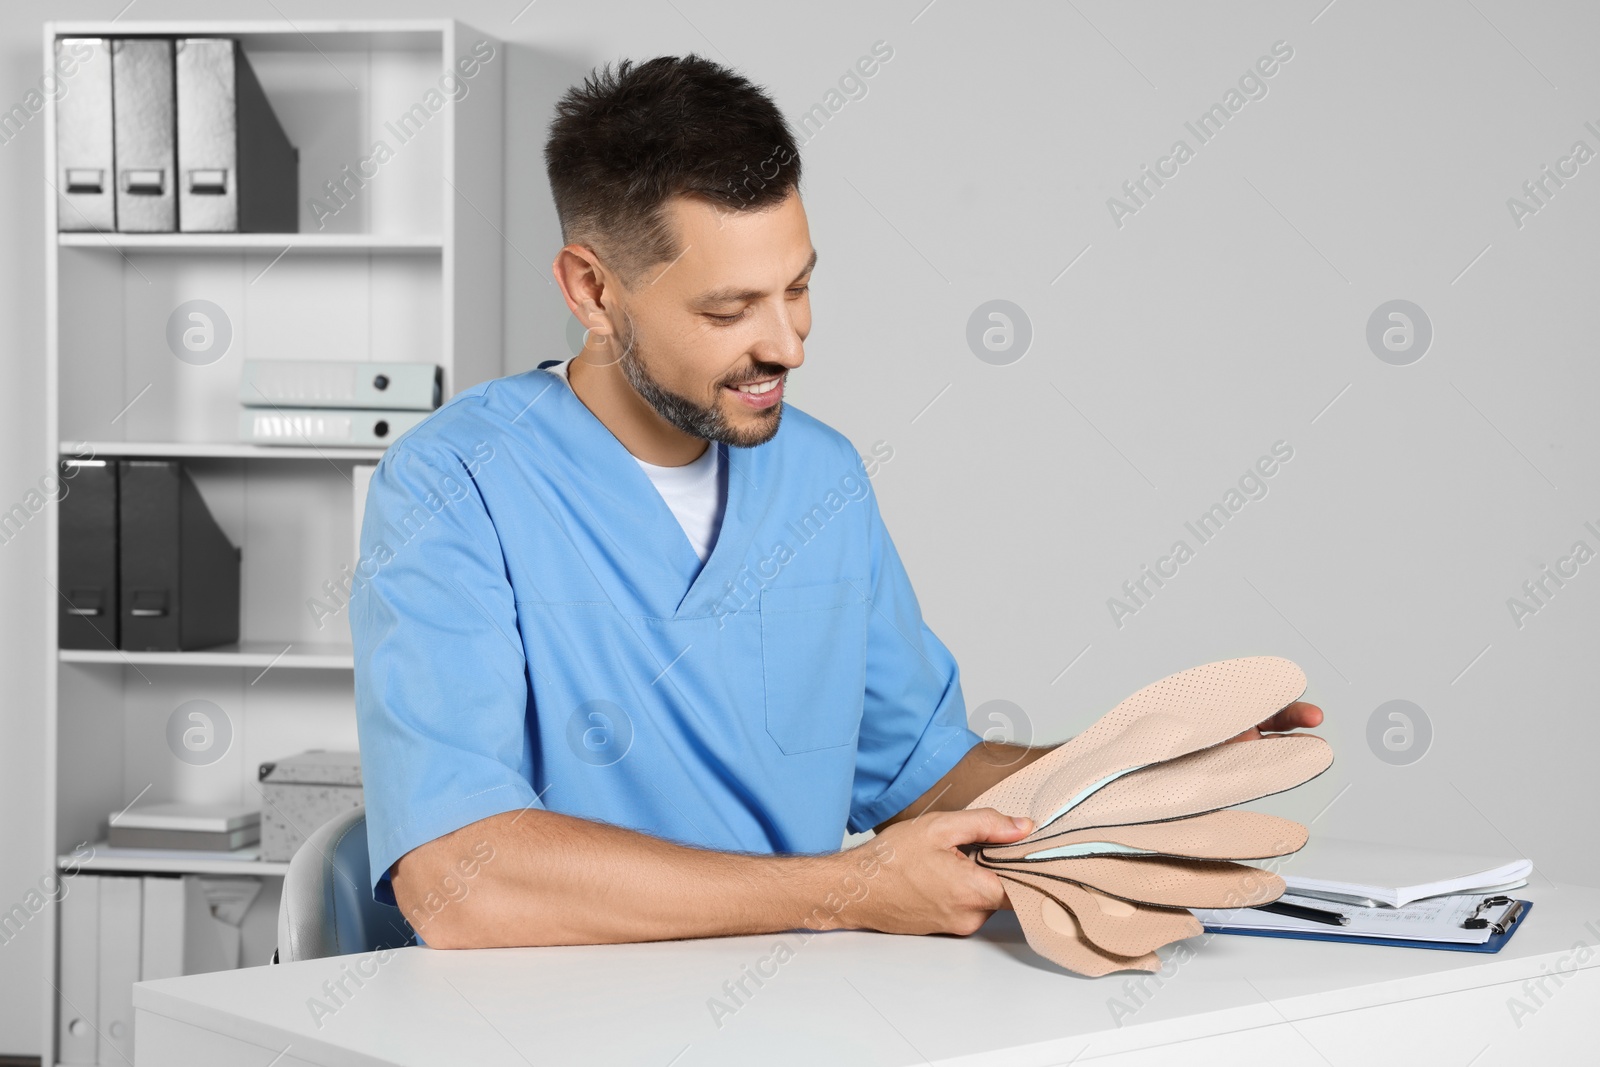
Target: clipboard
1496,942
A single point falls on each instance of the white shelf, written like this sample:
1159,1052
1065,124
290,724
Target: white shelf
161,865
252,242
302,656
282,34
409,267
216,450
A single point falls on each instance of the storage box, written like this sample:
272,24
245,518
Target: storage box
303,792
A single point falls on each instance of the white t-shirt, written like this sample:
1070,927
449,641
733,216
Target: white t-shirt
694,492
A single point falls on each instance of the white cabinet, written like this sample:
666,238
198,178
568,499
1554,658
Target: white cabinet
399,130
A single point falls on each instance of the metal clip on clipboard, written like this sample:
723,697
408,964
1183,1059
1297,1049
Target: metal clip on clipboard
1477,920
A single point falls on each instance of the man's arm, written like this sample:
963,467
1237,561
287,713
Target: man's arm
538,877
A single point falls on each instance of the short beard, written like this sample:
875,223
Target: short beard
708,423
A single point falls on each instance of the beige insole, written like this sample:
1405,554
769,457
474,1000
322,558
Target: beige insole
1131,827
1215,835
1115,926
1193,709
1214,778
1054,934
1167,883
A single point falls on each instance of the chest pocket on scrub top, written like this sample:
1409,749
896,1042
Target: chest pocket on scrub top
814,664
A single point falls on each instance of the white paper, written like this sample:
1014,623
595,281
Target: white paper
1434,919
1395,875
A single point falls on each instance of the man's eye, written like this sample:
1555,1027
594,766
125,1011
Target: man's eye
800,290
726,319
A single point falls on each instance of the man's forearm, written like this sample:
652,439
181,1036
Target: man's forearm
543,878
983,766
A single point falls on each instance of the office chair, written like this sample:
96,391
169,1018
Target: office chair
327,907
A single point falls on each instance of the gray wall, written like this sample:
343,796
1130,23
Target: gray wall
1226,314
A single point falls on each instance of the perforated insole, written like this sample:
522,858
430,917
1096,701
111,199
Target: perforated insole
1184,712
1208,780
1131,827
1115,926
1215,835
1053,933
1167,883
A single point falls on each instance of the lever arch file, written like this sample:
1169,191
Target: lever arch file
121,912
325,426
180,574
87,582
304,383
237,171
144,134
78,1005
85,179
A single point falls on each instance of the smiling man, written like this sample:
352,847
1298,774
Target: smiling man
639,649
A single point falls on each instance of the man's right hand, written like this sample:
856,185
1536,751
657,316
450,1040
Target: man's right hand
925,884
533,877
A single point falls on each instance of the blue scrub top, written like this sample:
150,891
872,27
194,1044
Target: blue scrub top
533,629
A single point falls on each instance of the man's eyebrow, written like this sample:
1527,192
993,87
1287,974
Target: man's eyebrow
729,296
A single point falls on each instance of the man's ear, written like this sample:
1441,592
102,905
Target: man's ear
588,288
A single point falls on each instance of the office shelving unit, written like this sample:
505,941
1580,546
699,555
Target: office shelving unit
407,268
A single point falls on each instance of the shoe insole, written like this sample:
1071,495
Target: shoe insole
1215,835
1208,780
1114,926
1053,933
1182,713
1167,883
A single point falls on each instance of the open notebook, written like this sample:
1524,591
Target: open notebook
1359,872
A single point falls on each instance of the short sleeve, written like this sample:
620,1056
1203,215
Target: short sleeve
914,723
442,696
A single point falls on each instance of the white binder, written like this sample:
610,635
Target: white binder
237,171
340,383
164,905
144,122
121,920
181,935
85,167
78,1007
324,426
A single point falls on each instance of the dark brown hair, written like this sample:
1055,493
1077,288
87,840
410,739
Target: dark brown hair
627,140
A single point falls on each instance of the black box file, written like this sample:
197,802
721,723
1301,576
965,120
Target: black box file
87,581
180,573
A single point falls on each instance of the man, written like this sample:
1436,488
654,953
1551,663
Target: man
637,648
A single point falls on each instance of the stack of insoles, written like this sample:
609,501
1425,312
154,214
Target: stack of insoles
1129,822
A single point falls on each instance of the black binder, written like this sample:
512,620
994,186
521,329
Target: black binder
87,578
180,574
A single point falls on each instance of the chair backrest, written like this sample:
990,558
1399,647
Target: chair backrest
327,907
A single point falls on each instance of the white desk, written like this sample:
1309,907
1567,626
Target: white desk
862,998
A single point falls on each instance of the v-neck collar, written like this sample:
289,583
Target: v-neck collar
648,548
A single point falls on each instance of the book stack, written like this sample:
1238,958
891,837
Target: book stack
144,565
165,134
334,402
198,827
